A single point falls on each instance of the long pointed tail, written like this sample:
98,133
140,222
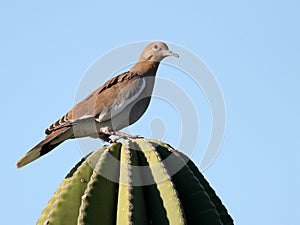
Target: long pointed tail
50,142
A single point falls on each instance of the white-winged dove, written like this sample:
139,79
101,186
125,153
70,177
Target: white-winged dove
120,102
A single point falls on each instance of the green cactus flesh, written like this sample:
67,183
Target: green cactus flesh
137,182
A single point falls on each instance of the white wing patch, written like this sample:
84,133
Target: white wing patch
129,94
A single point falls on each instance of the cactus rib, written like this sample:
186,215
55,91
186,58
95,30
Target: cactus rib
98,200
164,184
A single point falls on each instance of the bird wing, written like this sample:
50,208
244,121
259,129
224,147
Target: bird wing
105,102
123,97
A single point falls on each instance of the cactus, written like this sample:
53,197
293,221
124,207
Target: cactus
137,182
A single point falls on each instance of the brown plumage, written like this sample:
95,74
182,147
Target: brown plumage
120,102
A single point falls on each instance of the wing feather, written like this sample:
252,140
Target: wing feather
127,95
104,102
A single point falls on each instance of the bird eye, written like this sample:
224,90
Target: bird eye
155,47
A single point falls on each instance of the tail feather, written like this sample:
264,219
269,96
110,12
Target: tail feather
49,143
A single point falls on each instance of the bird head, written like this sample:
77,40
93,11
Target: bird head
156,51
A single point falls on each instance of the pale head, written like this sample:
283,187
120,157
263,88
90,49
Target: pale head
156,52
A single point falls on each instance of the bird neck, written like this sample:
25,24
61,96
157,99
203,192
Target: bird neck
145,68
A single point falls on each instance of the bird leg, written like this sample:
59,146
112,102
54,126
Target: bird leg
119,134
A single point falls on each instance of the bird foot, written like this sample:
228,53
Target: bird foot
119,135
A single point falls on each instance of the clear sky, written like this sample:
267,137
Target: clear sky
252,47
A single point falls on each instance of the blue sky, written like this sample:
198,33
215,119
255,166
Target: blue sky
252,47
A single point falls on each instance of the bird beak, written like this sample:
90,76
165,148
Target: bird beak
170,53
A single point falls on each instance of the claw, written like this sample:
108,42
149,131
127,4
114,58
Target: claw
119,135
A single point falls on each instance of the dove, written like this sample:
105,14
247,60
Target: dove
118,103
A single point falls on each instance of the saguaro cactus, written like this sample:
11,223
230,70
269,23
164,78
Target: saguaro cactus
137,182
